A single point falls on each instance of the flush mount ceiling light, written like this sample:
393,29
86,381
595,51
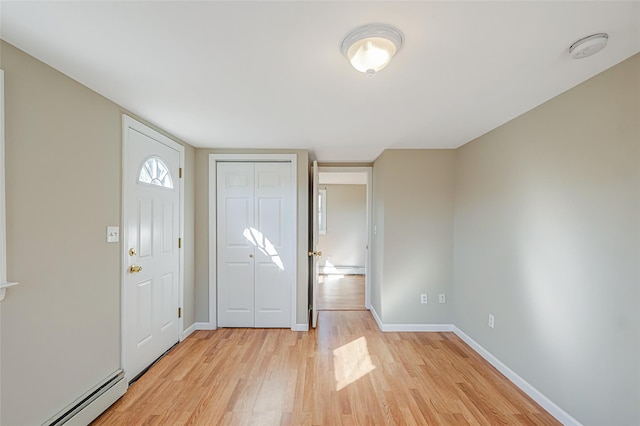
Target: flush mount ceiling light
370,47
588,46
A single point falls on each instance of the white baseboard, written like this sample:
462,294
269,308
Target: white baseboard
376,317
186,333
197,326
557,412
409,327
300,327
205,326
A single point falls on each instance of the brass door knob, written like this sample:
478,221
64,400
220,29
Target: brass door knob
134,268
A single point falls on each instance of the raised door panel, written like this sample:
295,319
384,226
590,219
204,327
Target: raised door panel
144,311
166,295
145,228
239,294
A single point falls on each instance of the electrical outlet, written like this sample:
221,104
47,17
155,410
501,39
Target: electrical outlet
441,298
423,298
491,320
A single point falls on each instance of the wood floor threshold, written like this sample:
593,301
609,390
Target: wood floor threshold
342,309
345,372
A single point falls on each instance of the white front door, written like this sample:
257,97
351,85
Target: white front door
152,259
255,248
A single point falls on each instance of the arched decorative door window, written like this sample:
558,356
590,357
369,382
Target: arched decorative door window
155,171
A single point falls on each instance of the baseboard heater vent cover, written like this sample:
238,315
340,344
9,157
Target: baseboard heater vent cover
342,270
93,403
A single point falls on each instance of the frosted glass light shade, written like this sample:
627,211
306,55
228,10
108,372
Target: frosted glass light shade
370,48
371,54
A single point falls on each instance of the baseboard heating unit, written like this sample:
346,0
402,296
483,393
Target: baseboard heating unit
342,270
93,403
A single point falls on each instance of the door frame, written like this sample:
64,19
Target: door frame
127,179
213,232
368,170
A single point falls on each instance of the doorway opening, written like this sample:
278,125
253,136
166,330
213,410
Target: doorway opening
343,240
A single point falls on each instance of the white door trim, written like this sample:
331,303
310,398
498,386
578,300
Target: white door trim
130,123
369,209
4,284
213,285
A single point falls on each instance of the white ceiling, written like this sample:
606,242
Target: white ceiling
270,74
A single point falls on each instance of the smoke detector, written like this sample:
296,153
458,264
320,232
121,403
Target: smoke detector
588,46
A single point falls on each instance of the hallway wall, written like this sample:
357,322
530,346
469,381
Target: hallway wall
345,241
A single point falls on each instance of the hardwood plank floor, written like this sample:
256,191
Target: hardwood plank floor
345,372
341,293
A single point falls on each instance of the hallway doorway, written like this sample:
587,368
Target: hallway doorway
343,241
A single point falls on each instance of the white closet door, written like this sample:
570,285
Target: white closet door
274,253
235,210
255,244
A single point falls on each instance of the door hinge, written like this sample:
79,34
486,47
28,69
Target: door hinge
179,312
179,242
180,172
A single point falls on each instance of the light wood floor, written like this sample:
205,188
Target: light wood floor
341,293
345,372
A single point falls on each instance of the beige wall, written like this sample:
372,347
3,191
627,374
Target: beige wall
345,241
379,171
61,326
202,226
546,239
413,238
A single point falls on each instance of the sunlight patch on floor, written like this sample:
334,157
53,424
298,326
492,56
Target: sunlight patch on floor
351,362
331,271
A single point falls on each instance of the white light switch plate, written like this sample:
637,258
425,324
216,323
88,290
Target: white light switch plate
113,234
